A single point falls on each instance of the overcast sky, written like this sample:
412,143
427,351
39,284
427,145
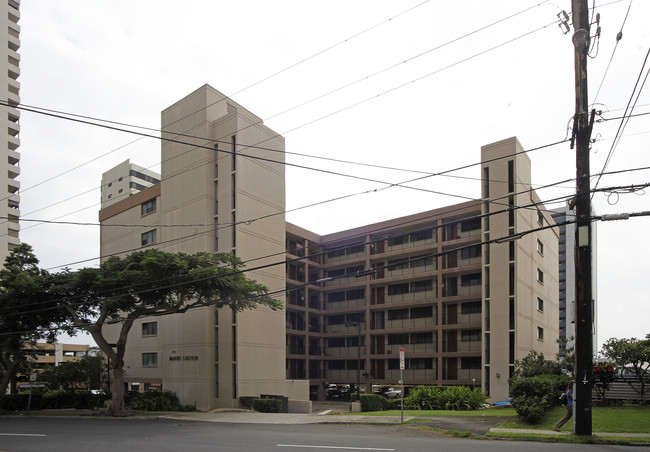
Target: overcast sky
413,85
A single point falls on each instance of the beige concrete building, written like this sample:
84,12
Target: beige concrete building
49,355
211,357
124,180
462,305
9,124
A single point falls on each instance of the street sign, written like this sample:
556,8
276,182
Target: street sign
401,358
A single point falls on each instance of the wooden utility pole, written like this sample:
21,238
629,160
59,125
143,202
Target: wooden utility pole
583,278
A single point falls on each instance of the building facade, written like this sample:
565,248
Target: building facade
465,290
462,306
10,126
124,180
564,217
211,357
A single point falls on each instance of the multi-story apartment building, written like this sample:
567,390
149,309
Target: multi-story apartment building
43,355
211,186
465,290
9,124
564,217
124,180
435,284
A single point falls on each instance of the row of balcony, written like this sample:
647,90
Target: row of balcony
411,349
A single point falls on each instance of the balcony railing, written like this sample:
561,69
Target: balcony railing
295,349
410,270
410,374
461,346
411,323
343,328
469,374
415,296
411,348
409,245
330,306
345,351
342,376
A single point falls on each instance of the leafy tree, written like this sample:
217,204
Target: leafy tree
535,364
25,315
633,353
566,356
604,376
151,283
81,374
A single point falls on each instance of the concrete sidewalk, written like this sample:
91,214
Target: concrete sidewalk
567,433
253,417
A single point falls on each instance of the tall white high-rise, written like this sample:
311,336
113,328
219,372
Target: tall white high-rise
9,166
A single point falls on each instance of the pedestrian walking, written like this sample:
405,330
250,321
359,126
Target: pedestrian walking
568,398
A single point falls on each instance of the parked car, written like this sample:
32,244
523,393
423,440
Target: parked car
389,392
338,391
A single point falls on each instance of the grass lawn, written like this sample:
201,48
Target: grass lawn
623,419
411,413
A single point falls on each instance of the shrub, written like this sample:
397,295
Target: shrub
424,398
267,405
532,396
247,402
158,401
445,398
57,399
531,409
373,402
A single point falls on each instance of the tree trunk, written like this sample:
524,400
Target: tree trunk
9,374
118,407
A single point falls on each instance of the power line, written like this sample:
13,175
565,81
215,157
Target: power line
83,118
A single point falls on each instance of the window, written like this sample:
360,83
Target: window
540,333
470,252
422,235
150,329
150,360
471,224
149,237
472,307
110,184
398,314
540,276
540,247
473,362
398,289
470,335
470,280
540,304
148,207
422,286
540,217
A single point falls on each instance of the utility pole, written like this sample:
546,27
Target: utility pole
583,292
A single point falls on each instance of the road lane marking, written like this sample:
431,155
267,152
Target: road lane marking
21,434
330,447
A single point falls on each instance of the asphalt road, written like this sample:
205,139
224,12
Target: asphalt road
62,434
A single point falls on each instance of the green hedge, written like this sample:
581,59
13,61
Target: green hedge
445,398
374,402
267,405
533,396
158,401
247,402
49,400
